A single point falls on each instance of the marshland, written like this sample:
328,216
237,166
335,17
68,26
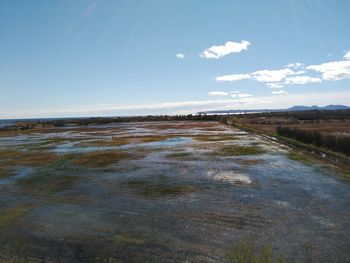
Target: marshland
167,191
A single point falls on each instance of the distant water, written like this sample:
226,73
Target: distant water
4,123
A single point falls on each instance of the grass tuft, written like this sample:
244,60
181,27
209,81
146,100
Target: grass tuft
246,252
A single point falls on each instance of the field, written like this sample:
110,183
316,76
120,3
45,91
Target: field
161,191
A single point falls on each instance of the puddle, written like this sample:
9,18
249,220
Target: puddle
234,178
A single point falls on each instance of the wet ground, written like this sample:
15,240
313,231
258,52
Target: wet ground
165,192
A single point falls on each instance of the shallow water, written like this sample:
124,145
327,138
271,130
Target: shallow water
173,199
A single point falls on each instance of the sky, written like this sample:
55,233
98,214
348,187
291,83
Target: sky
71,58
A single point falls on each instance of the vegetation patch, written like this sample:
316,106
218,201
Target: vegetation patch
5,172
13,214
249,161
237,150
247,252
156,138
47,182
301,158
159,186
27,158
110,142
52,178
181,155
211,138
101,158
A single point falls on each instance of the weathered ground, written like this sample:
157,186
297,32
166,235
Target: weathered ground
165,192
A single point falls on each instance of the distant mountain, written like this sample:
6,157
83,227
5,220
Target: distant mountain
314,107
294,108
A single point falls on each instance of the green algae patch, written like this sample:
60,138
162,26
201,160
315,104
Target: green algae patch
237,150
158,186
13,214
101,159
211,138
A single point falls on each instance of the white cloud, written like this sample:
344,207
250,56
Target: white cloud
347,55
279,92
274,75
295,65
223,50
233,94
180,56
301,80
334,70
233,77
218,93
274,85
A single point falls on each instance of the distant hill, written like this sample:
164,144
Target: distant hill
294,108
314,107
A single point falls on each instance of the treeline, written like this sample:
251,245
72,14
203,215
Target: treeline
309,115
56,123
332,142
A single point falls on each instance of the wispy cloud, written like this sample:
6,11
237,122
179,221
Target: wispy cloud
223,50
180,55
233,77
233,94
279,92
274,85
301,80
218,93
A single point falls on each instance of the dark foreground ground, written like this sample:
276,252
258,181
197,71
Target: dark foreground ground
165,192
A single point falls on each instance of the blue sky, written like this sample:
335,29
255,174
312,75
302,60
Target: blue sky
114,57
